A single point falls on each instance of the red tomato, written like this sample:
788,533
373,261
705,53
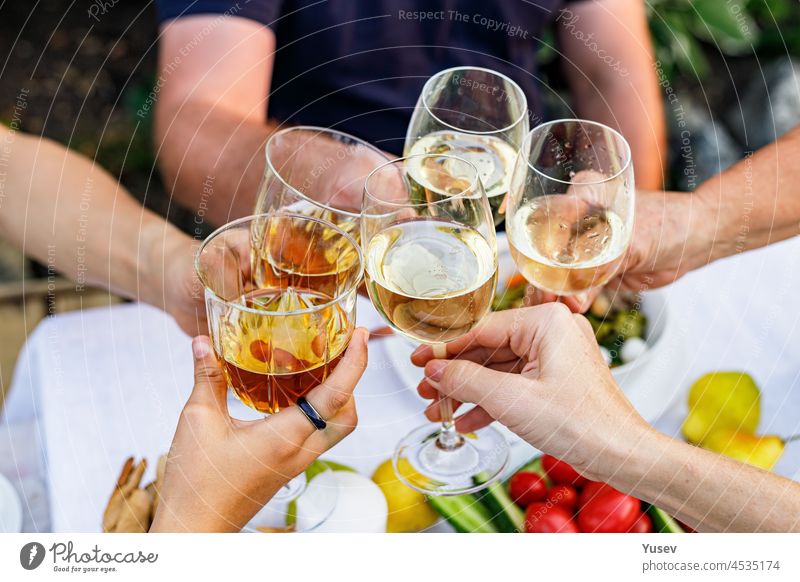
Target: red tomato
526,487
561,472
643,524
563,496
592,490
609,512
545,518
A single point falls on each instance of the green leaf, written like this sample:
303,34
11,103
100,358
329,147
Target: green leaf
724,20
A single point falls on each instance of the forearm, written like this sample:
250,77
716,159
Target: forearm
608,61
640,120
707,491
756,201
62,209
211,159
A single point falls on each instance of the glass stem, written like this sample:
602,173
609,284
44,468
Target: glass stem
448,439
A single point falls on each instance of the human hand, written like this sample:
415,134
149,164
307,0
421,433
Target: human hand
221,471
672,235
539,372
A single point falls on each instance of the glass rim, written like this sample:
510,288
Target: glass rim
611,130
449,198
239,221
319,130
517,88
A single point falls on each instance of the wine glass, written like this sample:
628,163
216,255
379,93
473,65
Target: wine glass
476,114
281,310
431,271
317,172
571,204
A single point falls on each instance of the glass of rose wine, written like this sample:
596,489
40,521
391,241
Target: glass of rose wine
570,207
476,114
281,310
316,171
431,271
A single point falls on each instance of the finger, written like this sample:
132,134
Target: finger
584,326
210,386
581,302
469,382
534,296
433,412
473,420
337,390
426,391
331,397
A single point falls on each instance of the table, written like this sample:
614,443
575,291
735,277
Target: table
104,384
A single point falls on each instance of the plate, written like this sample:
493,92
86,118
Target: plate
10,508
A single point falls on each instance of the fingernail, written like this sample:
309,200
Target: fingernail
200,347
434,370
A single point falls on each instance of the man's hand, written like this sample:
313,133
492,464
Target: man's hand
540,373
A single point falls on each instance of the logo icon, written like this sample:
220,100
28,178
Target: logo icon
31,555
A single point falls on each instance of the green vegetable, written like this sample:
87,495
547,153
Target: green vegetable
662,522
506,515
465,513
508,297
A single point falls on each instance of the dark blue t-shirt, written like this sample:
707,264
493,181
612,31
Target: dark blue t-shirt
359,65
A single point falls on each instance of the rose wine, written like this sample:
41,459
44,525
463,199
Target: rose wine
270,357
493,158
432,280
289,252
564,245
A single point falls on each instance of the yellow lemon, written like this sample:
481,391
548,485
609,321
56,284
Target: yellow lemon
408,510
729,400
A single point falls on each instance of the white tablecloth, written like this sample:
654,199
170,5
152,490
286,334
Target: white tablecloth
108,383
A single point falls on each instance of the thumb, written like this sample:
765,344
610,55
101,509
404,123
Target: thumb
209,382
496,392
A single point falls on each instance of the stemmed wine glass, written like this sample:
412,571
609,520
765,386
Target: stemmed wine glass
281,311
476,114
571,204
431,271
318,172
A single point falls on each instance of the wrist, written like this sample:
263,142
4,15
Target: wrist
625,457
715,230
160,242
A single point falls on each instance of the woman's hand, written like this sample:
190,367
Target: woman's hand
539,372
221,471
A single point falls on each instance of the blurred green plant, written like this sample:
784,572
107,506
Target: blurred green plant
684,31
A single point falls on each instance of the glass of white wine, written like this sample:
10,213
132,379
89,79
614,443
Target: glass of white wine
431,270
476,114
570,206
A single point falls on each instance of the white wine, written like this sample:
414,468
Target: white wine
432,280
493,157
564,245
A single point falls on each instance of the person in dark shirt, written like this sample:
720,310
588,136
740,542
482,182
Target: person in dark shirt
230,73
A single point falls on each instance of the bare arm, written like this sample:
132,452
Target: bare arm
539,372
609,66
753,203
211,114
60,207
705,490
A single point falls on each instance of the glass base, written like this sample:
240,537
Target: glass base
422,464
292,489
